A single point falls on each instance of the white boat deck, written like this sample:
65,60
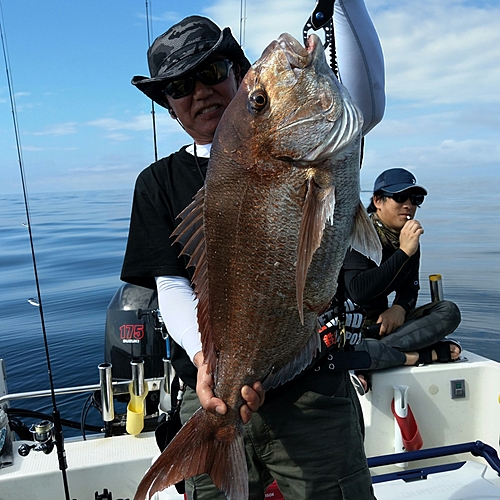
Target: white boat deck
116,464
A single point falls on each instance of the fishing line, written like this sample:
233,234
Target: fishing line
56,418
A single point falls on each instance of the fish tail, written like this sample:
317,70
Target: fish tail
201,446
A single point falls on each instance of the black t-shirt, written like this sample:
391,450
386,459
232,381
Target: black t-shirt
161,193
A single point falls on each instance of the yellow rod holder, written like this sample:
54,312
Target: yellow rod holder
138,390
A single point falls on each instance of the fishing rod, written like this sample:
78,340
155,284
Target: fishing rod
153,114
243,20
56,427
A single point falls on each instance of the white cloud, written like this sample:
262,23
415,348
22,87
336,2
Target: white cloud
57,130
119,137
435,52
135,124
265,20
457,154
51,148
138,123
440,52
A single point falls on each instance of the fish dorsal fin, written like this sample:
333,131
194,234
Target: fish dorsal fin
364,238
191,235
318,206
296,365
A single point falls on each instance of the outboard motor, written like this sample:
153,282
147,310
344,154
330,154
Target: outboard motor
134,329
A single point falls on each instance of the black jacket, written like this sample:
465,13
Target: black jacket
369,285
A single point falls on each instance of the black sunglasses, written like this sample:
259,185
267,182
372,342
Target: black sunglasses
210,74
415,198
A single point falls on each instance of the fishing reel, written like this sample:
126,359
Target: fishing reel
43,435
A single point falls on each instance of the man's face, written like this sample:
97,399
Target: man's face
393,214
201,111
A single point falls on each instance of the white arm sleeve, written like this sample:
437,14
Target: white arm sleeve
177,303
360,59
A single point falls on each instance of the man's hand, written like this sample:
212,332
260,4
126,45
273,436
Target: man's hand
253,396
410,236
391,319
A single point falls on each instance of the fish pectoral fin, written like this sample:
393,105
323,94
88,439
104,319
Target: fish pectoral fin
317,207
296,365
364,237
201,446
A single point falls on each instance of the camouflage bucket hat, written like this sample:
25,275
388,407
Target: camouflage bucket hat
181,49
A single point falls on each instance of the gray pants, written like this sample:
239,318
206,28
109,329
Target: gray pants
307,436
423,327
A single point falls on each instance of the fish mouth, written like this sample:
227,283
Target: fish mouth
312,43
299,57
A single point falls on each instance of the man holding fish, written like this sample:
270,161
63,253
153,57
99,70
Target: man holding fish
266,246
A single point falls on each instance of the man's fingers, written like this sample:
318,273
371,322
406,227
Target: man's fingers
245,413
257,387
221,408
253,396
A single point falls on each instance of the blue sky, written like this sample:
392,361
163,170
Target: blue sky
83,125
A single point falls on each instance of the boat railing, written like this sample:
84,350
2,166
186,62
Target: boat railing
118,388
476,448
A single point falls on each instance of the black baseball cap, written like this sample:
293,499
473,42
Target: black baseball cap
396,180
181,49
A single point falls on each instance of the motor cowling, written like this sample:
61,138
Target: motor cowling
134,330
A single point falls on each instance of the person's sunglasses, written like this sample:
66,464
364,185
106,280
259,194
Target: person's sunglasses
209,74
415,198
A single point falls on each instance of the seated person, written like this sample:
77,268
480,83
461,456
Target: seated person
400,334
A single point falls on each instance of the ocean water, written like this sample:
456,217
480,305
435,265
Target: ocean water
79,241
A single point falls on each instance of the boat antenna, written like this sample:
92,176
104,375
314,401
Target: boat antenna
153,114
56,418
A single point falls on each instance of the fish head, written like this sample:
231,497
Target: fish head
291,106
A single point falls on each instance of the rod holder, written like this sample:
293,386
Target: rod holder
165,404
436,285
137,366
168,372
106,383
138,391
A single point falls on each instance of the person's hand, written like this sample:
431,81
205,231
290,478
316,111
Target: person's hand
410,236
391,319
253,396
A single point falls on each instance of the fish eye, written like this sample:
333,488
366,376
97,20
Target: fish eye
258,99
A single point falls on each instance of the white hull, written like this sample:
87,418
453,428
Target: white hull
442,421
